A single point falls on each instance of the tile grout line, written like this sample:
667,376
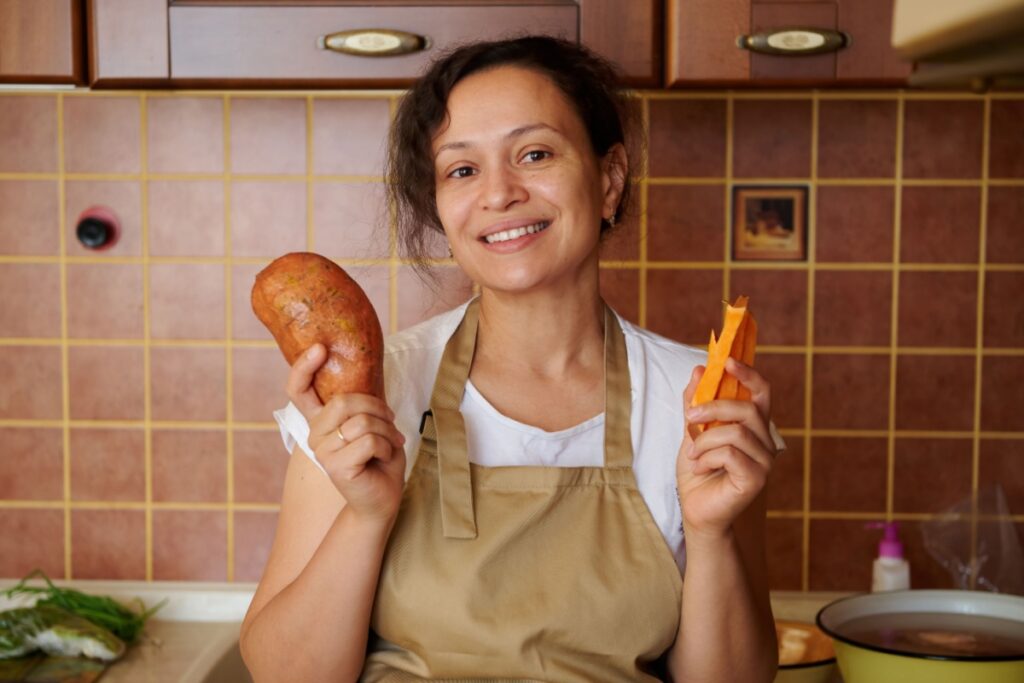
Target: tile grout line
147,360
65,388
229,363
894,313
811,223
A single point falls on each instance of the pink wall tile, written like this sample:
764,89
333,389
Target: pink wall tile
268,135
31,539
189,466
102,135
106,382
267,218
30,219
108,465
30,306
419,299
186,218
186,134
244,323
188,383
105,301
108,544
258,383
350,220
186,301
28,133
254,534
123,197
349,136
189,545
260,463
31,464
32,382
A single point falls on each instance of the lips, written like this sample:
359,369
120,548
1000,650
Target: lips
511,233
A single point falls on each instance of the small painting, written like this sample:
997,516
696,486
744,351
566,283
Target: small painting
769,223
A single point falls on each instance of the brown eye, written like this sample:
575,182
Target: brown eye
536,155
461,172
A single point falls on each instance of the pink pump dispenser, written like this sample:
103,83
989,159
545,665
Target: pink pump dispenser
890,571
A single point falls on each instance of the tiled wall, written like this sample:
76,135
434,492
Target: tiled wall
135,431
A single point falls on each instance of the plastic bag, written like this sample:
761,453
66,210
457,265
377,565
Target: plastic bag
997,562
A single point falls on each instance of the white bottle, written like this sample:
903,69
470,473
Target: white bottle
890,571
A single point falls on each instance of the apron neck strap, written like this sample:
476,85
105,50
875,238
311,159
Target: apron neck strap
457,517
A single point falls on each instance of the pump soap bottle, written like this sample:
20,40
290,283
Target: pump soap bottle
890,571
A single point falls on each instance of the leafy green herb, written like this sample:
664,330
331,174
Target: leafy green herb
103,611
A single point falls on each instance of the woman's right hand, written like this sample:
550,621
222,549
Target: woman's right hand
355,439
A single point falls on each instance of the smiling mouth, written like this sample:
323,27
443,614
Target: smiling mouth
514,233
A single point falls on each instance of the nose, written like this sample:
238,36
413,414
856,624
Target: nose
501,188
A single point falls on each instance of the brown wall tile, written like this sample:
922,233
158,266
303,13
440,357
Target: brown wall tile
30,306
778,300
106,382
931,475
108,544
785,488
620,288
852,308
186,301
186,134
1006,143
940,224
349,136
935,392
1004,309
189,466
102,135
31,464
189,383
104,301
268,135
350,220
850,391
786,373
28,133
1001,463
841,553
267,218
938,309
855,224
925,570
190,545
1003,240
258,383
123,197
260,464
108,465
186,218
32,382
771,139
254,535
848,474
31,539
687,138
784,550
1001,380
685,222
622,243
942,139
684,305
857,138
30,220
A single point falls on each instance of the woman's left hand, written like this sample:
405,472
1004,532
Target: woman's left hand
725,468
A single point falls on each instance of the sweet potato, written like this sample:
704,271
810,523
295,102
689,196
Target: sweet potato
738,340
303,299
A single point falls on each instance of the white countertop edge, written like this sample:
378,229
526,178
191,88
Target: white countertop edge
186,601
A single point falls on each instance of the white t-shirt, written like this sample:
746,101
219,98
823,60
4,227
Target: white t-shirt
659,370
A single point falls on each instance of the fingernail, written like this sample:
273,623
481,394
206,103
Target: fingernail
313,350
694,412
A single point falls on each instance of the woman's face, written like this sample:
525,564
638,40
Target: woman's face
519,190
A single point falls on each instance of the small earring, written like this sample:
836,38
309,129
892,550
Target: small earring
611,221
450,254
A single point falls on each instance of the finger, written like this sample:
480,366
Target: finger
745,474
760,389
300,381
740,412
349,461
364,423
736,437
691,389
344,406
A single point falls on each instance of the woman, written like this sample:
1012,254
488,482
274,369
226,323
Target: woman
514,512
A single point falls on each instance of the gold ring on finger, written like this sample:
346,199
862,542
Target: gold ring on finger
341,436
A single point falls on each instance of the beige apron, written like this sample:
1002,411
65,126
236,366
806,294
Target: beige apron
523,573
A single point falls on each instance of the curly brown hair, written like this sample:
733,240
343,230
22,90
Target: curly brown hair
589,82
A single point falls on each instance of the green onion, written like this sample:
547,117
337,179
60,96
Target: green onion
103,611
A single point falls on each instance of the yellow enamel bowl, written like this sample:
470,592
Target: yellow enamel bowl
906,624
805,653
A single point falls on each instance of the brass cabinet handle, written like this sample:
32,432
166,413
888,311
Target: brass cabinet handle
373,42
794,42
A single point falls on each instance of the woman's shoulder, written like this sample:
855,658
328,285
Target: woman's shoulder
661,350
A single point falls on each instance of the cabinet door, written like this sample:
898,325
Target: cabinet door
41,41
703,50
128,42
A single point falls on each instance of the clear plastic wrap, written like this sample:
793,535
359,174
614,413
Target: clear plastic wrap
997,563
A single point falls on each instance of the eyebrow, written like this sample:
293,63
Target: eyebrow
514,133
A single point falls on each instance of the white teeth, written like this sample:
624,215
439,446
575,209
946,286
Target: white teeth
506,235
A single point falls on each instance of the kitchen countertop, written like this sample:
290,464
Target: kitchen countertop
197,630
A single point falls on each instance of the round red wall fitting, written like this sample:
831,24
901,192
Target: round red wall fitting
98,228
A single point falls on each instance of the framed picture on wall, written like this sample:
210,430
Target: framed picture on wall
769,223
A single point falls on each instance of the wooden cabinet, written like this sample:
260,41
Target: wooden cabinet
703,36
282,43
41,42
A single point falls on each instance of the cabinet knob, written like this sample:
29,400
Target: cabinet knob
794,42
374,42
98,228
